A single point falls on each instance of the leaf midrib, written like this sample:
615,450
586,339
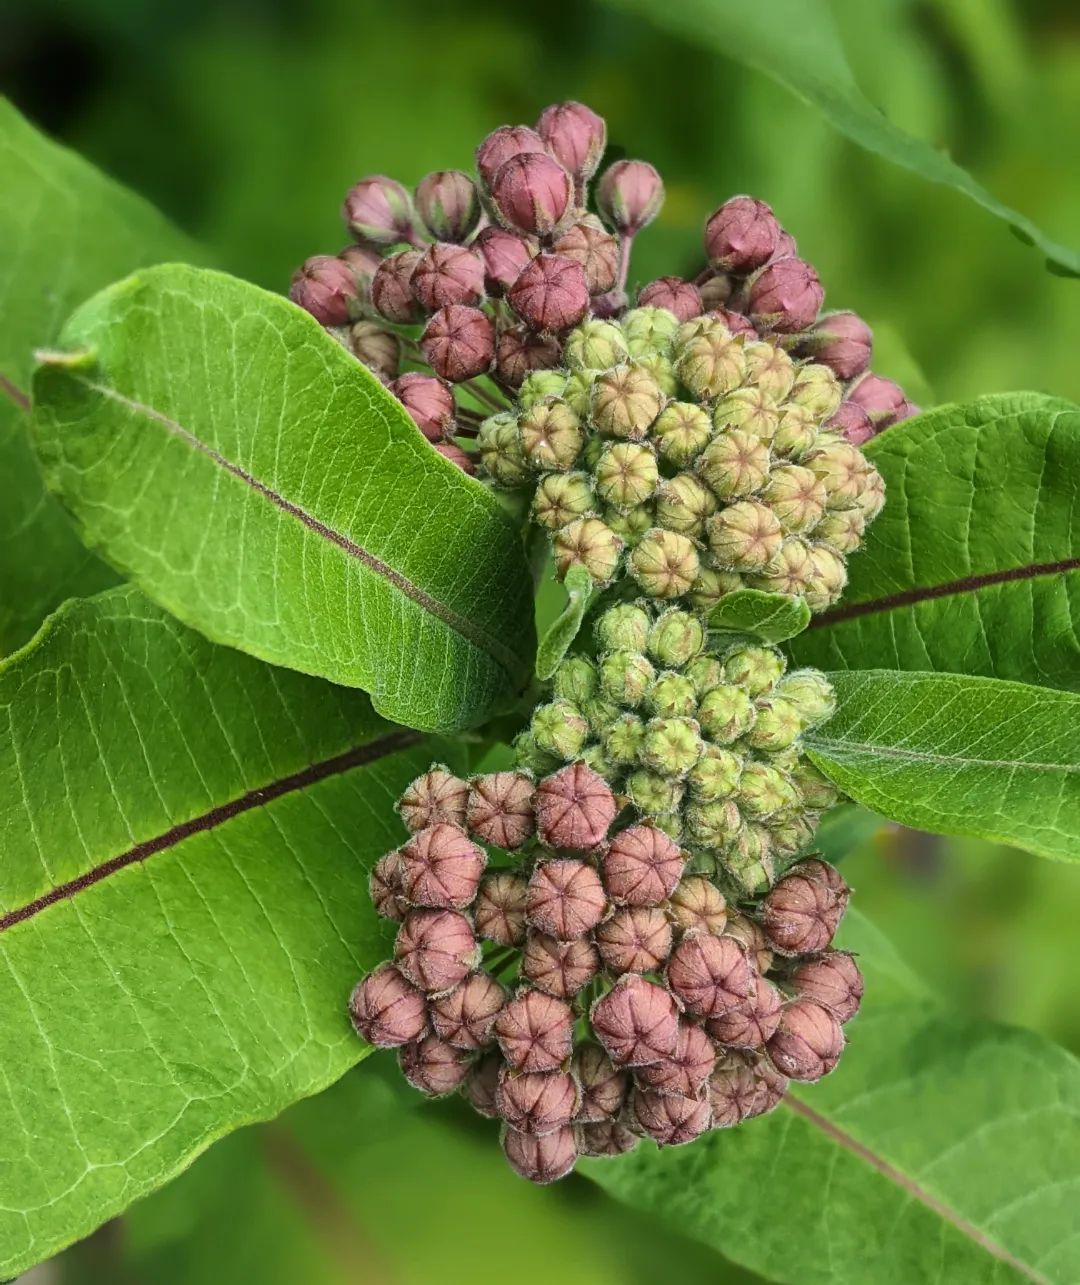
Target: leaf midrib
824,743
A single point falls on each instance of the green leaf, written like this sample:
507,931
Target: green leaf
941,1149
772,617
796,43
217,445
958,755
973,566
183,902
66,231
560,636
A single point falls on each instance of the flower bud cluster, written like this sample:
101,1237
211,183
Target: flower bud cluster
587,989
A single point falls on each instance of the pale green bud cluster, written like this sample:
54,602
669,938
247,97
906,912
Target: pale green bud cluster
694,461
705,742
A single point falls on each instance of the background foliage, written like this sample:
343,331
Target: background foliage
245,122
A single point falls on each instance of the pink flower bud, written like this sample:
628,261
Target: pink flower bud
635,939
801,913
771,1087
742,235
363,262
566,898
378,349
687,1071
785,296
438,795
452,452
436,949
710,975
535,1031
603,1085
808,1042
883,400
378,210
561,968
575,136
500,808
716,291
574,808
629,196
643,865
326,287
441,867
670,1121
840,340
391,288
384,885
853,421
735,322
551,294
503,143
594,247
449,204
500,908
520,351
680,297
541,1159
832,980
532,194
697,903
387,1010
742,1086
505,255
751,1024
429,401
448,274
465,1017
608,1138
478,1087
752,936
433,1066
459,342
636,1021
537,1102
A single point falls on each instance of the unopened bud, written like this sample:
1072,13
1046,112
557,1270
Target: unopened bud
842,531
459,342
560,968
676,637
735,464
642,866
801,914
752,1024
550,294
378,210
590,543
672,696
629,196
391,288
478,1087
503,143
625,677
756,667
744,536
808,1042
765,790
832,980
326,287
681,432
709,974
521,352
575,136
715,775
852,421
665,564
726,713
624,627
540,386
429,402
436,796
883,400
669,1120
679,297
735,322
785,296
635,939
500,808
741,235
551,436
828,577
384,887
777,726
535,1031
626,475
769,368
447,273
811,693
532,193
560,729
436,949
505,255
710,363
671,746
797,496
566,899
649,331
433,1066
750,933
622,739
705,672
603,1086
452,452
840,340
499,444
530,757
743,1085
796,434
604,1140
594,345
387,1010
449,205
499,912
871,495
815,789
636,1022
378,349
655,796
751,409
625,402
686,1073
465,1017
697,904
537,1102
817,390
441,868
713,825
541,1158
593,246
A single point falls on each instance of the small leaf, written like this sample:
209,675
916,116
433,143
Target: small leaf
560,636
772,617
959,755
796,43
257,481
183,902
973,566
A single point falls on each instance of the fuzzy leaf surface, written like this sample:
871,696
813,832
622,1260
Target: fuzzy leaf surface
771,617
186,834
560,635
218,446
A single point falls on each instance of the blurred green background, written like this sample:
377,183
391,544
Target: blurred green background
246,120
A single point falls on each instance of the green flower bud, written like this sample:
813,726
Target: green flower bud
842,468
625,677
539,386
749,860
818,792
715,824
770,369
672,696
596,757
811,693
726,713
649,331
817,390
662,369
797,496
654,795
665,564
790,572
631,526
623,738
671,746
751,409
590,543
705,672
551,436
764,791
600,712
745,536
796,433
828,580
778,725
577,681
562,497
500,451
578,392
624,627
529,755
625,401
670,823
711,586
626,475
560,729
676,637
683,504
756,668
789,836
595,345
715,775
681,432
871,496
734,465
842,531
710,363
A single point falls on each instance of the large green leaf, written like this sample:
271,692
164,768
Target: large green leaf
796,43
974,564
959,755
65,231
215,443
186,834
942,1149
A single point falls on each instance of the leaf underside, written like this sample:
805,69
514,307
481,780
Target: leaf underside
771,617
